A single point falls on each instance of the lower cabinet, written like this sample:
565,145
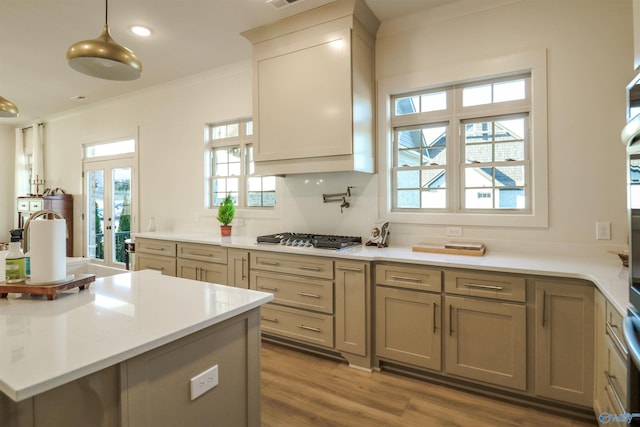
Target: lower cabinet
202,271
300,325
486,341
564,341
408,326
238,268
352,307
165,265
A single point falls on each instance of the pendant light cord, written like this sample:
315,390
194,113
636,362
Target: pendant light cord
106,12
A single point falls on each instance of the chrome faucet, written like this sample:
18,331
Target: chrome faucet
37,214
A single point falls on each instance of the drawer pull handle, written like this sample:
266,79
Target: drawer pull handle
349,269
269,319
450,320
407,279
307,267
309,328
155,248
244,276
610,379
304,294
623,351
206,254
544,308
435,309
487,287
268,262
266,288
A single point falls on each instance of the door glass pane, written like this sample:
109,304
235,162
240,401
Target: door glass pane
95,214
121,199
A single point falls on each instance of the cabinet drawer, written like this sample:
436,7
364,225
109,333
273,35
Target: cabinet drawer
156,247
616,373
489,285
300,292
209,253
164,264
294,264
315,328
401,276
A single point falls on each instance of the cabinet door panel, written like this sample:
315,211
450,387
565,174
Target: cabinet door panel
564,341
238,265
408,327
352,302
306,91
486,341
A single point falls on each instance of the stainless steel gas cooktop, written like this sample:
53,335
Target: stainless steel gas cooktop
324,241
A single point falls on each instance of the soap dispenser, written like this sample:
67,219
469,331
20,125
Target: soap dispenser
15,262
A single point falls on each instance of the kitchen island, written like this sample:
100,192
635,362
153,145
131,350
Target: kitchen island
123,352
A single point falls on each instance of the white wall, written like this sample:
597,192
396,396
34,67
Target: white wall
589,45
589,57
7,202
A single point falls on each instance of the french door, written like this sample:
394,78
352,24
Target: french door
109,209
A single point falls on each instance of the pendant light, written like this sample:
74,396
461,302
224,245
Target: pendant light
7,108
104,57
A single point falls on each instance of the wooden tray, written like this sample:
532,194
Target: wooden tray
51,291
455,249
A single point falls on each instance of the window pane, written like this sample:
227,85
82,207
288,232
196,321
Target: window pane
433,178
234,169
409,139
476,95
509,130
510,176
476,198
221,155
232,130
509,91
478,177
479,153
510,198
434,199
408,105
249,128
434,102
269,183
408,198
232,187
222,169
254,184
480,132
408,158
409,179
110,148
508,151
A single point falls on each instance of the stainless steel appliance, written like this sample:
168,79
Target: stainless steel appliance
631,329
323,241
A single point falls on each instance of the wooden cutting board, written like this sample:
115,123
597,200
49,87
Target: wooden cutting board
473,249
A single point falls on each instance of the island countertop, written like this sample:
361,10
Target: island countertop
49,343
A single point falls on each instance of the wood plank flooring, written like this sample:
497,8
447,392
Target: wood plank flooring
300,389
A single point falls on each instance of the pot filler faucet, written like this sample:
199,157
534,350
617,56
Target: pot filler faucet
35,215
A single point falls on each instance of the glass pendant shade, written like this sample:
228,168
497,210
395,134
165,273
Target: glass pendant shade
7,108
104,58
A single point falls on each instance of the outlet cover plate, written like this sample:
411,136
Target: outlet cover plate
204,382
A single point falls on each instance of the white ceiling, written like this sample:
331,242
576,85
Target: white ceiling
189,37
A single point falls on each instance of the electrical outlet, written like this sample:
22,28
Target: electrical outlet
204,382
603,230
454,231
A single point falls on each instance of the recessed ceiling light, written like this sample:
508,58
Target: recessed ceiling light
78,98
141,31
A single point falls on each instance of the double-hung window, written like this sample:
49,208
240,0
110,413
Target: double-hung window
230,168
463,148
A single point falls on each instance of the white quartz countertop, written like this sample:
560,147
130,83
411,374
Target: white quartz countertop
44,344
604,269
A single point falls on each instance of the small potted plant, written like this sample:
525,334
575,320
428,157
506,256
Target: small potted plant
226,212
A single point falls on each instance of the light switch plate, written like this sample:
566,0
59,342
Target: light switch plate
603,230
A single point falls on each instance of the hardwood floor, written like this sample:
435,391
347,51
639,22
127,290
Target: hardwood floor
300,389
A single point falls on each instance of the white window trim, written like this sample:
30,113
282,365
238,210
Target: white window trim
467,71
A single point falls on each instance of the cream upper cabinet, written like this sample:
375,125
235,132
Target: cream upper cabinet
314,91
564,339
